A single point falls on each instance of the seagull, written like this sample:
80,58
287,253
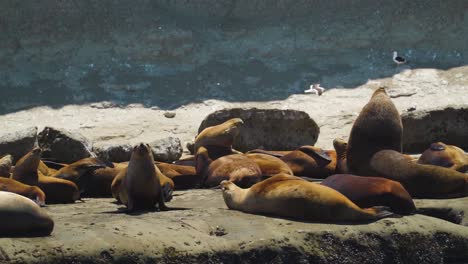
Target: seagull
397,59
315,89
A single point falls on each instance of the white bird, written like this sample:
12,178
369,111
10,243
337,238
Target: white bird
397,59
315,89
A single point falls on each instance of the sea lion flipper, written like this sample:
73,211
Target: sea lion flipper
316,152
161,205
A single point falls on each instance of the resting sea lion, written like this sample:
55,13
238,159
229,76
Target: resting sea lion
235,167
56,190
31,192
311,161
184,177
372,191
290,196
139,183
269,165
6,162
421,181
22,217
448,156
377,127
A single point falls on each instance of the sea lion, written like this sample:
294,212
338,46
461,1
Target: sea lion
421,181
448,156
184,177
22,217
340,147
372,191
187,161
235,167
32,192
311,161
56,190
6,162
45,170
269,165
80,172
274,153
377,127
290,196
220,136
139,183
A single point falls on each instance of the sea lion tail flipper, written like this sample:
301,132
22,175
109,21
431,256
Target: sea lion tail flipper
380,212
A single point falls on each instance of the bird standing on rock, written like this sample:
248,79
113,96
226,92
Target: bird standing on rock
397,59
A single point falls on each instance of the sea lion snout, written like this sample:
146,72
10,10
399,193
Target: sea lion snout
225,185
141,148
36,151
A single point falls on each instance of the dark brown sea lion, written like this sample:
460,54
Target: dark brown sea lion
6,163
31,192
22,217
290,196
448,156
56,190
372,191
377,127
269,165
139,186
235,167
421,181
311,161
184,177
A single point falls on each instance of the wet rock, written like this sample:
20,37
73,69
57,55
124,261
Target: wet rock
63,146
113,152
18,143
167,149
270,129
170,114
421,128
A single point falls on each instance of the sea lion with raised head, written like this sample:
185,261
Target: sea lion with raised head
139,186
372,191
340,147
32,192
22,217
421,181
26,168
448,156
236,168
377,127
290,196
6,163
310,161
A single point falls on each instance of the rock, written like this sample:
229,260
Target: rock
63,146
167,149
114,153
170,114
423,127
18,143
270,129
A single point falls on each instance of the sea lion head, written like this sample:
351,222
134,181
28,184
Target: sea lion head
221,135
6,162
438,146
233,126
380,90
29,162
232,194
142,150
340,146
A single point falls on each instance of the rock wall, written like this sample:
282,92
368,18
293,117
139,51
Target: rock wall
167,53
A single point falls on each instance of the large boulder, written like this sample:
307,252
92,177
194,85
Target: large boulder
113,152
18,143
270,129
166,149
63,146
448,124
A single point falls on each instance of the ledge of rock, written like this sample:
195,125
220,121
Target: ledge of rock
271,129
204,230
18,143
63,146
447,124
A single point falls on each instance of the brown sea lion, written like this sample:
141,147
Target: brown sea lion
31,192
22,217
235,167
220,136
372,191
290,196
184,177
6,162
187,161
56,190
340,147
80,172
45,170
448,156
421,181
377,127
274,153
269,165
139,186
311,161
